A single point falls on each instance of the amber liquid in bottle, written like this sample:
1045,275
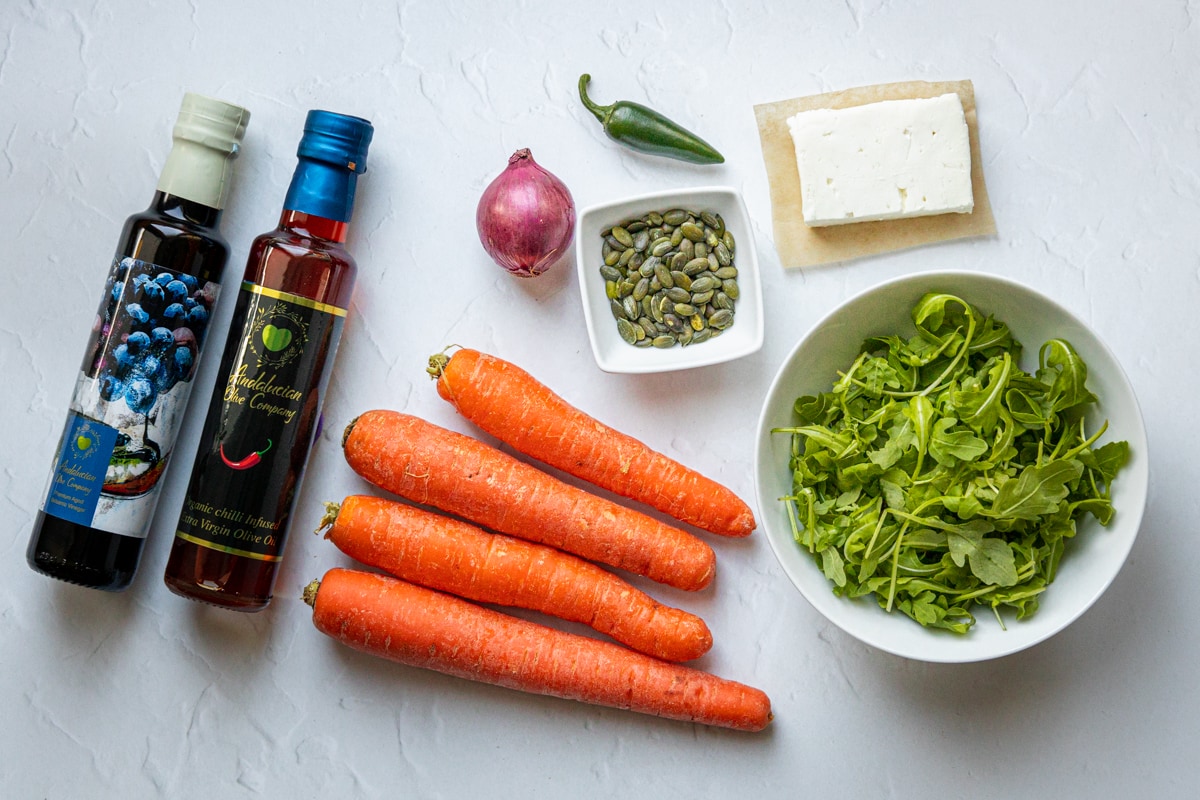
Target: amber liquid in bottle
305,258
181,235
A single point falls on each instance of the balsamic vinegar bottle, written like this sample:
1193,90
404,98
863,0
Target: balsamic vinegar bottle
137,369
265,411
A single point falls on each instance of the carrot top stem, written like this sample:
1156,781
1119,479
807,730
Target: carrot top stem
331,513
438,361
310,593
346,433
437,365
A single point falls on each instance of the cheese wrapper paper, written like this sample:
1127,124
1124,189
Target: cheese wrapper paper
799,245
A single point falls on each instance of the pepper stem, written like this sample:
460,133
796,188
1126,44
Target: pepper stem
310,593
600,112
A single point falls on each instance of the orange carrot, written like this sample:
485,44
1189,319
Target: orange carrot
512,405
420,627
433,466
456,557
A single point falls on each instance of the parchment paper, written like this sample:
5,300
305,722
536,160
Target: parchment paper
802,246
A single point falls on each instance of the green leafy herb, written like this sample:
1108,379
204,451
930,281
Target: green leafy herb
939,477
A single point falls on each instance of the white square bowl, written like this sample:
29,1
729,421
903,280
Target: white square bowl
612,353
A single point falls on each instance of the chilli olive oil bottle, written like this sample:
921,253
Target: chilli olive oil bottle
265,410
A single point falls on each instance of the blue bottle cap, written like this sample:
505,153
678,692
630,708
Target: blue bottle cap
332,153
336,139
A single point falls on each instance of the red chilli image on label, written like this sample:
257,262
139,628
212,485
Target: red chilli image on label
246,463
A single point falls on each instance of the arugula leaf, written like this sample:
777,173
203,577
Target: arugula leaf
1037,490
991,559
1070,375
937,476
950,446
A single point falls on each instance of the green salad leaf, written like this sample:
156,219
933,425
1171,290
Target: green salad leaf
938,477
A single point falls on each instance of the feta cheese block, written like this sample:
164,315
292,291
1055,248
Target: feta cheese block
887,160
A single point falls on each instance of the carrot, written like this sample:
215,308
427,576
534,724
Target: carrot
510,404
420,627
433,466
456,557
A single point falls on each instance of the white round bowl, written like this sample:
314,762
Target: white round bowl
1092,559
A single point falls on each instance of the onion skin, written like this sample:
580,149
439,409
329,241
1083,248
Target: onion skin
526,217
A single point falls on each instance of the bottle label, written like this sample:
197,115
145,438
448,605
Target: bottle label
129,399
262,423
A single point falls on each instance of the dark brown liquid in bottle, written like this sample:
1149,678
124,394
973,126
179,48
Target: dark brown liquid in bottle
304,257
180,235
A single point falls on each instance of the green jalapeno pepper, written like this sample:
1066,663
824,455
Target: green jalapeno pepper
647,131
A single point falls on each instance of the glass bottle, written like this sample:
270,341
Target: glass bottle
265,411
137,370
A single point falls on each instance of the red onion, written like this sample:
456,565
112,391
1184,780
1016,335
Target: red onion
526,217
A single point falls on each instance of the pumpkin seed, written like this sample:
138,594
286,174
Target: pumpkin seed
721,300
617,309
721,319
635,226
710,219
622,236
631,306
722,253
676,216
695,266
664,341
640,290
698,322
730,288
678,294
655,218
726,272
685,309
691,230
641,240
700,298
681,279
611,290
661,247
610,274
702,335
663,275
703,284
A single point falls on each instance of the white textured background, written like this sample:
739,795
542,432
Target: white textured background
1090,124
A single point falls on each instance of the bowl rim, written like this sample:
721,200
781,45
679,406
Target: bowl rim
726,349
1133,516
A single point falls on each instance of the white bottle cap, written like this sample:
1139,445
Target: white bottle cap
207,135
